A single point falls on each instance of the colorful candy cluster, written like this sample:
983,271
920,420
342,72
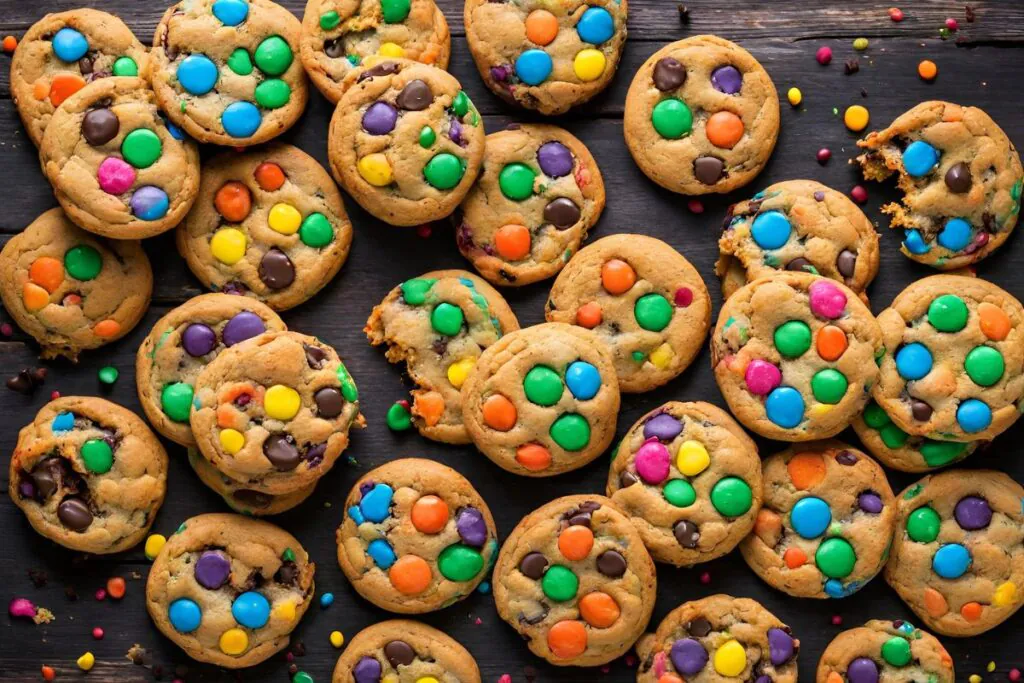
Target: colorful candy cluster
595,27
72,47
895,652
952,560
689,656
934,453
398,653
392,12
46,276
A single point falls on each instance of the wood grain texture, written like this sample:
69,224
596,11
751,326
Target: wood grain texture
979,67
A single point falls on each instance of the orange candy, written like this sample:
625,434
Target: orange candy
669,678
541,27
599,609
833,677
533,457
617,276
47,272
512,242
995,324
575,542
269,176
724,129
410,575
831,342
794,557
233,201
116,587
589,315
429,514
10,43
499,413
429,406
567,639
41,89
106,328
935,603
64,86
806,470
768,525
971,611
35,297
71,299
927,70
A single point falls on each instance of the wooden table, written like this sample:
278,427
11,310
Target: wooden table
979,65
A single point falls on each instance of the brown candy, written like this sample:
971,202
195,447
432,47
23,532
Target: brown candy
562,213
708,170
922,411
686,533
281,452
846,263
276,269
801,264
328,402
399,653
382,69
315,356
611,563
74,514
958,178
699,627
627,479
533,565
100,126
669,74
415,96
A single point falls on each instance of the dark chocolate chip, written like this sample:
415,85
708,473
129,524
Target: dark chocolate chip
847,458
399,653
415,96
315,356
708,170
314,455
562,213
85,65
611,563
47,476
21,383
276,269
922,411
800,264
533,565
100,126
74,514
699,627
281,452
846,263
958,178
540,616
288,574
328,402
627,479
382,69
669,74
686,533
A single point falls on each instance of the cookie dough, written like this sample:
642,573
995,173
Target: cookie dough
643,298
181,344
953,367
62,52
885,650
338,35
826,521
542,400
961,178
416,537
689,478
226,70
229,590
422,652
438,324
574,579
240,499
88,474
406,142
269,224
539,193
719,638
71,290
702,116
958,556
773,380
901,451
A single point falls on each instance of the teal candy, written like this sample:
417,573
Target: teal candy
771,229
69,45
197,74
376,504
583,380
241,119
533,67
810,517
251,609
919,158
184,615
951,561
596,26
785,407
381,553
913,361
956,234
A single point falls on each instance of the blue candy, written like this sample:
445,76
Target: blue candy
771,229
785,407
185,615
913,361
176,133
150,203
595,26
583,380
919,158
64,422
251,609
356,514
326,600
69,45
381,553
810,517
376,504
231,12
914,243
197,74
533,67
973,416
951,561
956,235
241,119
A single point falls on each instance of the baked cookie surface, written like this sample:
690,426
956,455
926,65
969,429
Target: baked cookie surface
885,650
423,653
245,501
896,449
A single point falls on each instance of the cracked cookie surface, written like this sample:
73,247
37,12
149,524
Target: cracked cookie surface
404,650
885,650
901,451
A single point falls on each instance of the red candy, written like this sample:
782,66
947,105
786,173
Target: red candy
824,55
952,24
896,14
695,206
859,194
824,154
684,297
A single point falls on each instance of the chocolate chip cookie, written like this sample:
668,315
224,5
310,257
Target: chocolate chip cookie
539,193
274,413
701,116
826,521
773,380
719,638
71,290
689,478
574,579
885,650
542,400
423,653
269,224
643,298
406,142
961,178
181,344
416,537
62,52
438,324
797,225
226,70
338,36
953,367
88,474
229,590
958,556
901,451
241,499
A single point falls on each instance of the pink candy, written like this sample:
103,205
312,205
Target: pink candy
684,297
115,176
21,607
762,377
827,300
652,462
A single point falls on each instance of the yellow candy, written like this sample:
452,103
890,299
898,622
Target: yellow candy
375,169
975,678
860,44
281,402
730,659
233,641
1004,595
285,219
391,50
692,458
856,118
427,679
820,409
154,544
795,96
231,440
86,661
459,371
285,611
589,64
662,356
337,639
228,245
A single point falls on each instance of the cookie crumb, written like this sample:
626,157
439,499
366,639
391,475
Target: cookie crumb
684,13
851,66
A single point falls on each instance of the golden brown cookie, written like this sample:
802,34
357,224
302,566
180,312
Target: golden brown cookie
240,499
885,650
422,652
896,449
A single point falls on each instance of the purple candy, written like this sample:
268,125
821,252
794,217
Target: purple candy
212,569
780,646
366,487
862,670
727,79
380,118
972,513
555,159
149,203
367,670
763,679
198,339
663,426
471,526
870,502
26,489
499,73
688,656
455,131
245,325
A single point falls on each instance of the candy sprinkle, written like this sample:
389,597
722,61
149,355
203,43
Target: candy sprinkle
856,118
795,97
86,661
695,206
10,43
896,14
326,600
505,678
837,620
974,678
824,154
48,673
116,587
705,578
824,55
97,633
859,194
154,544
108,374
952,24
1015,674
101,594
990,667
927,70
337,638
860,44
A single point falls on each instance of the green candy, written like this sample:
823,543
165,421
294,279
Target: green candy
141,148
543,386
516,181
288,555
273,93
896,651
923,525
427,137
637,356
273,56
108,374
176,400
793,338
948,313
399,419
732,497
939,453
240,62
395,11
316,231
348,387
302,677
125,66
460,105
460,562
653,312
97,456
835,558
984,365
892,436
672,119
679,492
875,417
446,319
571,432
829,386
329,20
559,583
443,171
83,262
414,291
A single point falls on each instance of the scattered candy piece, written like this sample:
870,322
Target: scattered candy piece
837,620
337,639
100,595
860,44
824,154
695,206
952,24
326,600
1015,674
10,42
859,194
856,118
97,633
49,674
824,55
705,578
154,544
21,607
108,374
927,70
86,661
116,587
795,97
896,14
399,418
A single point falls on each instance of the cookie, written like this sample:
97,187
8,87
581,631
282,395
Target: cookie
958,556
642,298
62,52
885,650
826,521
181,344
542,400
961,178
775,383
953,367
338,36
423,653
240,499
406,142
226,70
71,290
546,56
88,474
702,116
438,324
689,478
416,537
229,590
901,451
274,413
573,578
719,638
797,225
269,224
